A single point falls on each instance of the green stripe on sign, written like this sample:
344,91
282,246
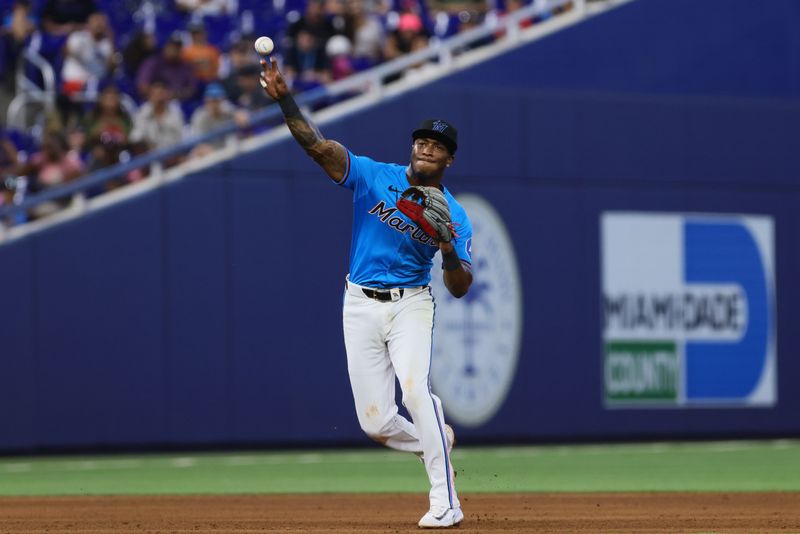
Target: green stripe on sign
644,371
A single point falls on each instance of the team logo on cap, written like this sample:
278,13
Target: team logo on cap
439,126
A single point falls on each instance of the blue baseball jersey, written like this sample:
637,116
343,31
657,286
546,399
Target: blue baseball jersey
387,249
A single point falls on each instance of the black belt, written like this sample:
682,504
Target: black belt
383,295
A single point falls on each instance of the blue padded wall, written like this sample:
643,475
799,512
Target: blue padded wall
209,312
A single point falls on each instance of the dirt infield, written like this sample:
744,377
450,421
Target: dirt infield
530,513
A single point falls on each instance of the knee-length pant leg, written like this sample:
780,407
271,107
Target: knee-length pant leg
372,377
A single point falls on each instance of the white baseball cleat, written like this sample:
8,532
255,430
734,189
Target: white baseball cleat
442,518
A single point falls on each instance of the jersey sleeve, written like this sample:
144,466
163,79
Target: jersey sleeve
359,172
463,243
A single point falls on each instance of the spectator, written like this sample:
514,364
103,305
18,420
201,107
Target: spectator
159,122
306,63
13,187
89,56
8,156
215,113
469,20
141,46
240,55
338,51
107,127
18,27
334,11
20,22
201,55
516,5
409,36
315,22
108,118
366,33
251,96
53,165
170,69
511,7
203,8
62,17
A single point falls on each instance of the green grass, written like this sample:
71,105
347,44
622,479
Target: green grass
721,466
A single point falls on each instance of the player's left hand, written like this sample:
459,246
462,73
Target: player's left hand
428,208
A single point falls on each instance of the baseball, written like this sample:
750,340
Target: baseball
264,45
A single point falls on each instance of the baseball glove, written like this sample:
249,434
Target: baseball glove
427,207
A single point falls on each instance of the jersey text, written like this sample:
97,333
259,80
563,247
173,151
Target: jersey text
386,216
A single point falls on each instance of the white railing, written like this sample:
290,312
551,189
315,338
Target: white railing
29,92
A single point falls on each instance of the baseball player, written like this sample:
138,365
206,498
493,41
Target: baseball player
402,216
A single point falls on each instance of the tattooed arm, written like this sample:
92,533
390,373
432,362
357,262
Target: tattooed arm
330,155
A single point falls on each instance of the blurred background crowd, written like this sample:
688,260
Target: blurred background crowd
91,83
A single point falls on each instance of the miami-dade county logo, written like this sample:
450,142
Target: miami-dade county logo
689,310
477,338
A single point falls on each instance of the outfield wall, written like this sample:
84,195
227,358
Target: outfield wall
208,312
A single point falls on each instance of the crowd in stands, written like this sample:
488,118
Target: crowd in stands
138,75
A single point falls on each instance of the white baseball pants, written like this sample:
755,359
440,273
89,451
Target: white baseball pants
388,339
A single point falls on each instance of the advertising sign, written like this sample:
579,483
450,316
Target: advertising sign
688,310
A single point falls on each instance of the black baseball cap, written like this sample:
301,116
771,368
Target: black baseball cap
440,130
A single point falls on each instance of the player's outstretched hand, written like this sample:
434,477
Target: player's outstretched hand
272,80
